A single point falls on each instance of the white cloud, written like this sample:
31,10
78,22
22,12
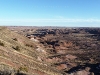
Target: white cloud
50,20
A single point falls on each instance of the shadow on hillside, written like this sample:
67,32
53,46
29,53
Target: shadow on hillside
95,68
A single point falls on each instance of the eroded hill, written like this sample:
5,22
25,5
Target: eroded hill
21,56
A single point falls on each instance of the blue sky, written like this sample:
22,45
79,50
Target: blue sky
70,13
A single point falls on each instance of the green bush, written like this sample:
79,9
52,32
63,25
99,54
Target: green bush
24,69
1,44
16,48
15,39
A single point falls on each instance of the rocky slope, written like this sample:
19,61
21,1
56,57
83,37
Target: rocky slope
21,56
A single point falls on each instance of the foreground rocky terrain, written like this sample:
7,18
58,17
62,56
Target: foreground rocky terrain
51,50
21,56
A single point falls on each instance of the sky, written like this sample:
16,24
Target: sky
69,13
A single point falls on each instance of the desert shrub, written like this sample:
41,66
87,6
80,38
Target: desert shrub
28,45
1,44
15,39
24,69
16,48
5,73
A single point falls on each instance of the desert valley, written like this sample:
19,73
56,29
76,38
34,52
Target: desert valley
27,50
